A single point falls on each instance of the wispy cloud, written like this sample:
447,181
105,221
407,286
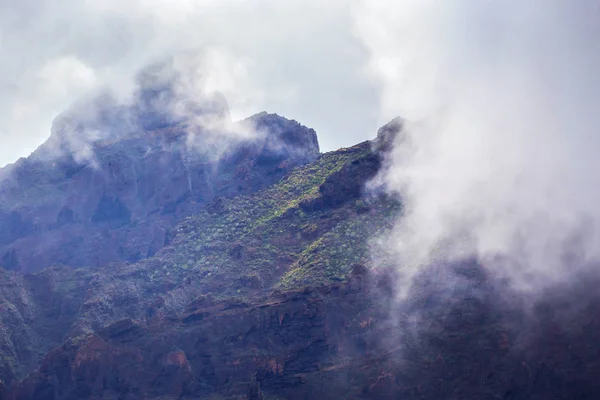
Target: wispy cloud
500,157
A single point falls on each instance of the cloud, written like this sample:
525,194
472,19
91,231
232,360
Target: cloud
183,92
500,157
297,58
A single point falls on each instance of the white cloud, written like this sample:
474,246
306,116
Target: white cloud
501,158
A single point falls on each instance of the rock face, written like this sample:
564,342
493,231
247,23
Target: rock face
36,312
336,341
119,205
286,346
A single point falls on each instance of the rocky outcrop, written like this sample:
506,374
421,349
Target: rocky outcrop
347,184
390,133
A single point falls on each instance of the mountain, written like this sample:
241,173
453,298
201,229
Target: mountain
278,238
261,285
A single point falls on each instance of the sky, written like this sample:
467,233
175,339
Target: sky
300,59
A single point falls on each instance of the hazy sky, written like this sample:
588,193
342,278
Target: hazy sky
300,59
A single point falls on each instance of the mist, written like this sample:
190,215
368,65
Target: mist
499,156
182,92
299,59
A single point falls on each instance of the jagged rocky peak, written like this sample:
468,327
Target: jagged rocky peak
283,137
171,104
97,117
163,97
387,134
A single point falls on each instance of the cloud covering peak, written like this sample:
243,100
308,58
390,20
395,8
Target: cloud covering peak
297,58
499,159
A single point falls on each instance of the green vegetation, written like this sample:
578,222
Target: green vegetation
266,240
331,257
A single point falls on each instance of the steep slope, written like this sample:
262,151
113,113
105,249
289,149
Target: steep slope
119,205
341,341
35,314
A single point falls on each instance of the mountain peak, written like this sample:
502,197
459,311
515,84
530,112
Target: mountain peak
286,131
387,134
133,183
165,97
